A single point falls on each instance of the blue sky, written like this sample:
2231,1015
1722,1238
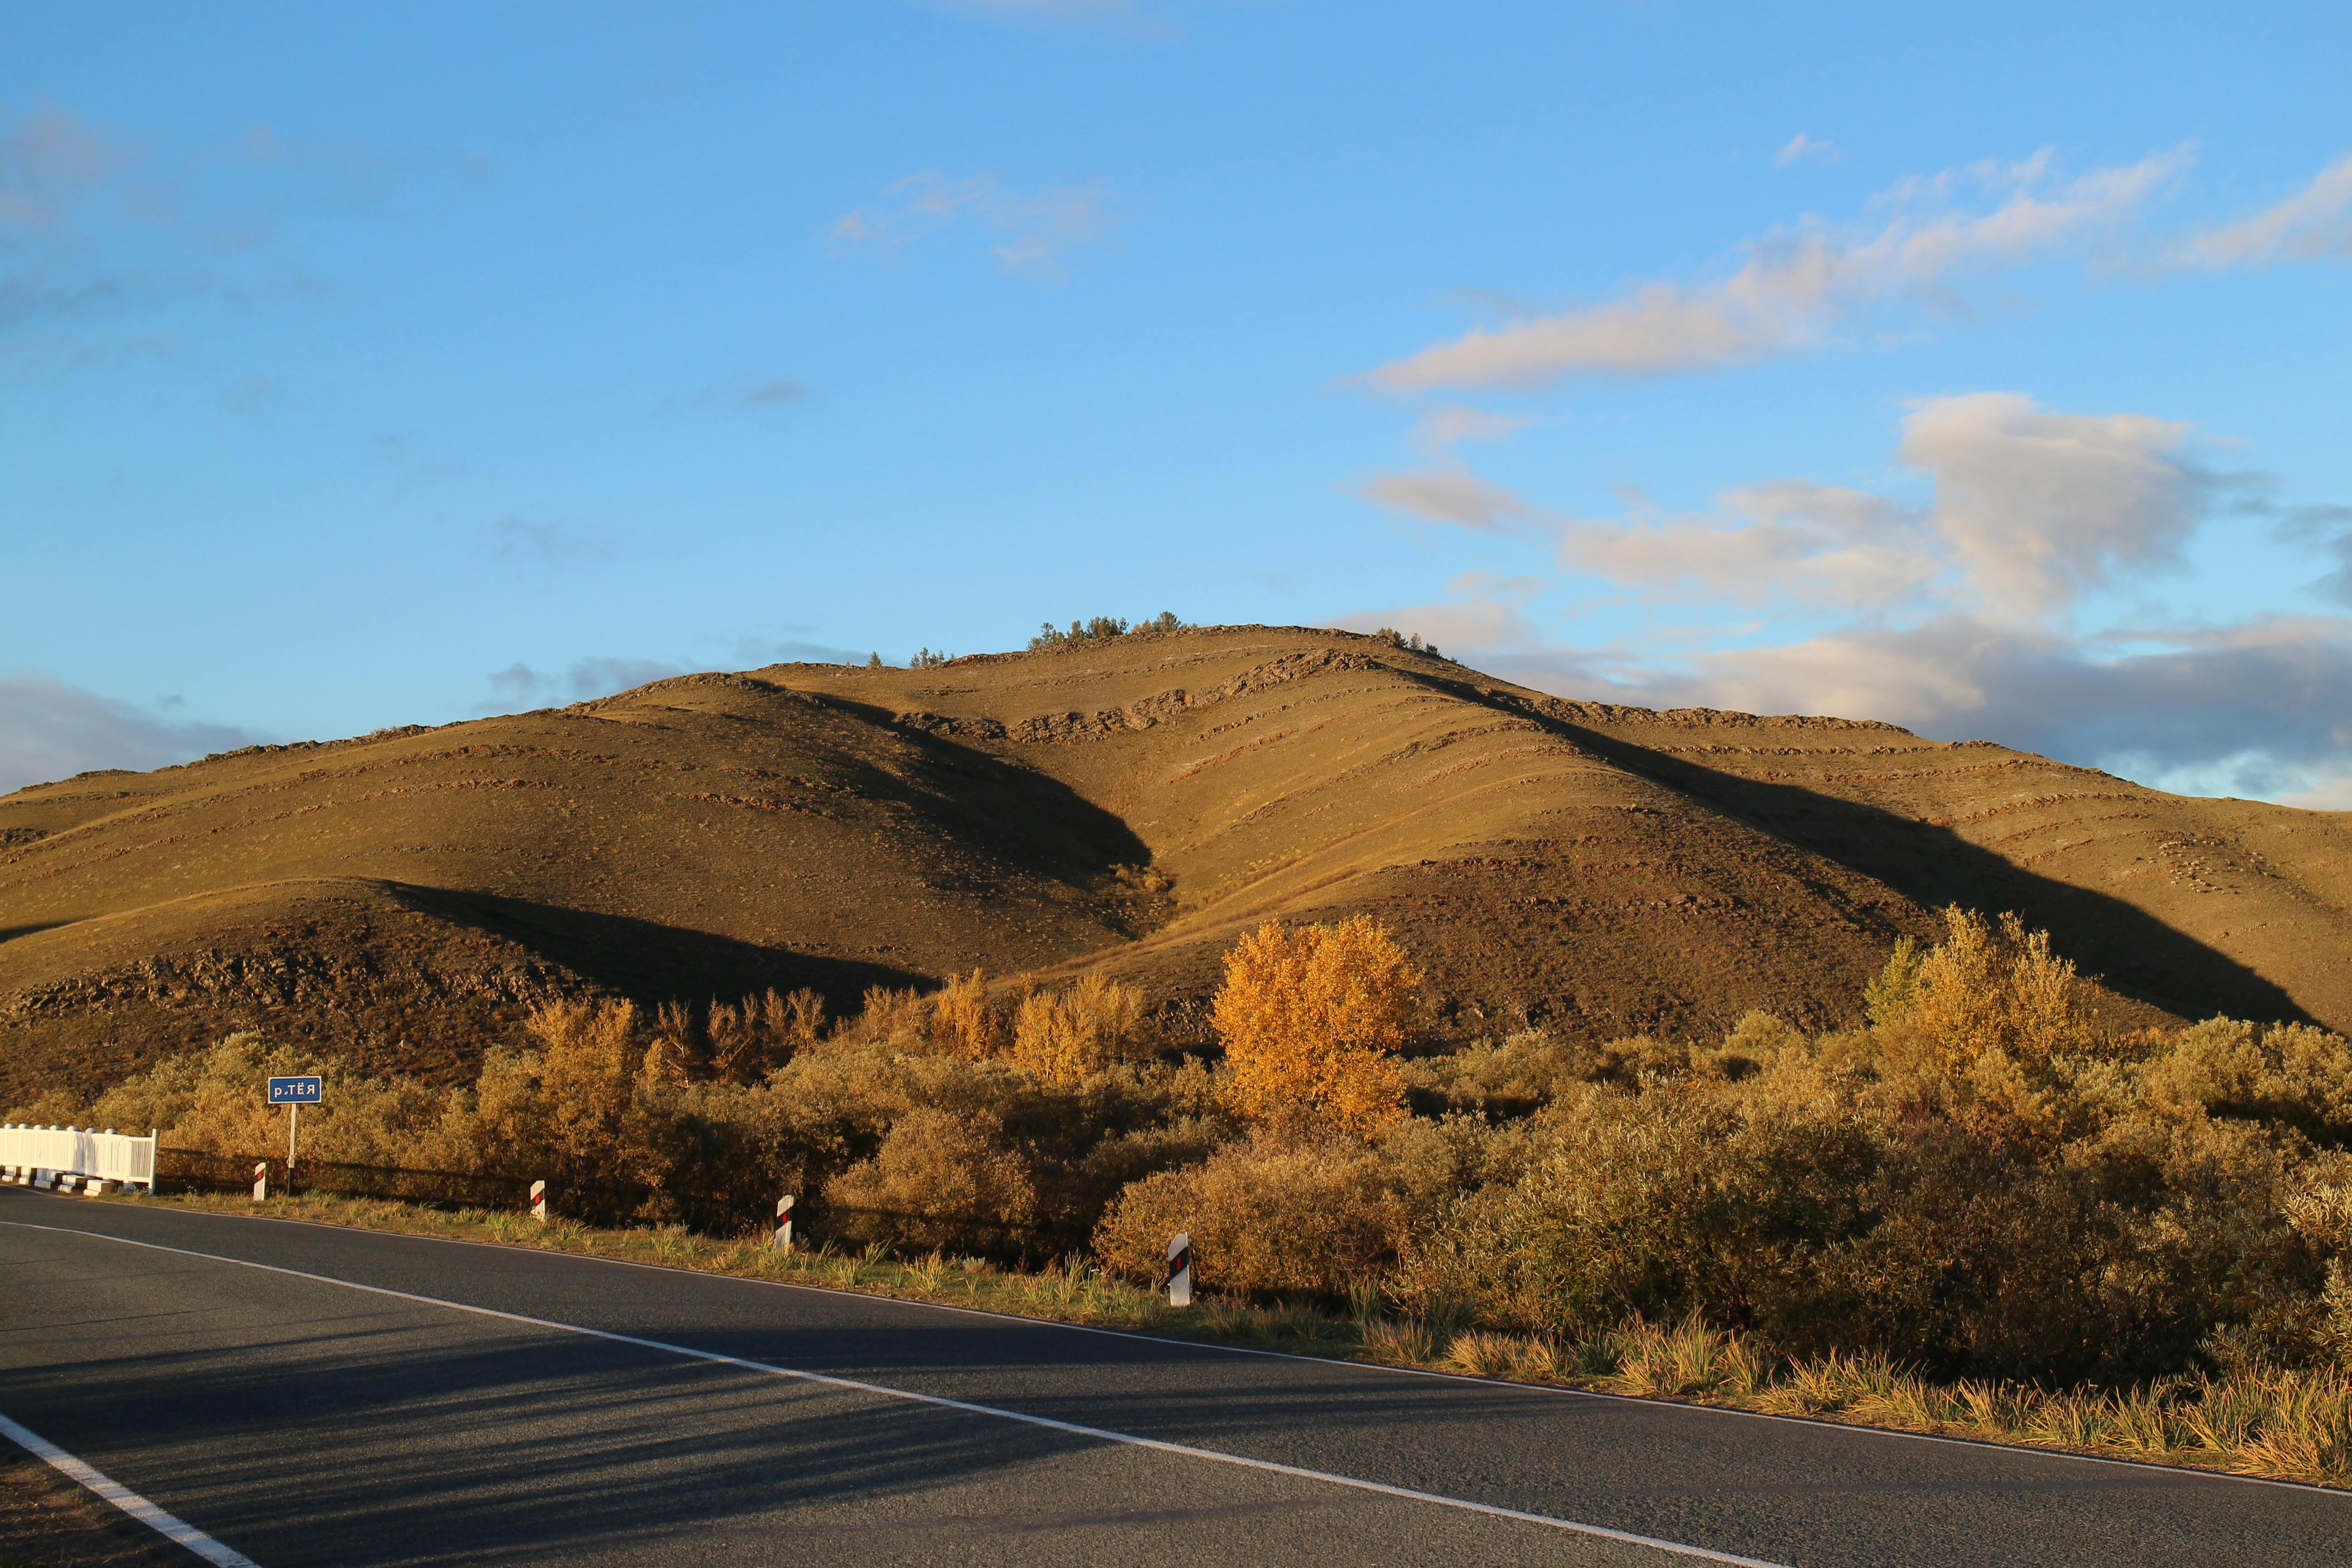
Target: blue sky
1981,368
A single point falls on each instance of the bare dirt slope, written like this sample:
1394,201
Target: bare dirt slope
1130,803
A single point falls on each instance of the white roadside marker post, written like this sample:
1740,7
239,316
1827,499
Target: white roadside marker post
260,1180
1180,1269
784,1223
539,1202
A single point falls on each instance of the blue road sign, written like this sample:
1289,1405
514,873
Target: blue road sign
295,1090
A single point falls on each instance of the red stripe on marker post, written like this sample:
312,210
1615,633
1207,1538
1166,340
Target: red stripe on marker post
1180,1269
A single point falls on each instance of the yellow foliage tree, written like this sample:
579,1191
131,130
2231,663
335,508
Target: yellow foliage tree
1311,1020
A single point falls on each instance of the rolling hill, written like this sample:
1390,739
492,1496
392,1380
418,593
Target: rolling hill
1130,803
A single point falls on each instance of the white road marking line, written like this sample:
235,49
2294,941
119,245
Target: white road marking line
129,1502
2152,1468
1100,1434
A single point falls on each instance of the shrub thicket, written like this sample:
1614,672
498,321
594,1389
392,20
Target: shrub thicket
1986,1178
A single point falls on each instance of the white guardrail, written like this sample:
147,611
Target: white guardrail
73,1159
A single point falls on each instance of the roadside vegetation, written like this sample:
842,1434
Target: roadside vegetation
1982,1211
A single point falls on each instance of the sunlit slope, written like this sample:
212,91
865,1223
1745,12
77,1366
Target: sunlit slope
1282,774
1614,868
1130,803
712,835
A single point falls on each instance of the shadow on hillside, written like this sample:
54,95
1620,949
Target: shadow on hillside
651,962
2131,951
1028,819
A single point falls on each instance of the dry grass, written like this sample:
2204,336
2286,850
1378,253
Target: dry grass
2279,1424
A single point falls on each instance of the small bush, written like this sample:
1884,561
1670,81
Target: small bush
937,1176
1269,1214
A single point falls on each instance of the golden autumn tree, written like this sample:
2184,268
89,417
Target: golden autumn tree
1062,1037
1311,1020
588,1052
964,1020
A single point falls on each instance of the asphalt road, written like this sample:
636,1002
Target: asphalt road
302,1421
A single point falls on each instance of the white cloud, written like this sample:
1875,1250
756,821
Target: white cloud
1037,231
1954,614
2041,507
2333,792
2031,510
1801,146
2257,711
1796,289
2315,221
49,731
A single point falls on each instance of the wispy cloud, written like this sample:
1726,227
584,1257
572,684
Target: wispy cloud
103,230
1450,495
51,730
1441,430
2327,529
49,163
549,543
1034,12
2315,222
772,394
753,392
520,685
1796,289
1786,540
1035,231
1802,146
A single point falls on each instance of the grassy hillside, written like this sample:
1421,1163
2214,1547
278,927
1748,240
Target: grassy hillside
1128,803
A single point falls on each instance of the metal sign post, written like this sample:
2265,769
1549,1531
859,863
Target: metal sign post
784,1223
293,1093
1180,1269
